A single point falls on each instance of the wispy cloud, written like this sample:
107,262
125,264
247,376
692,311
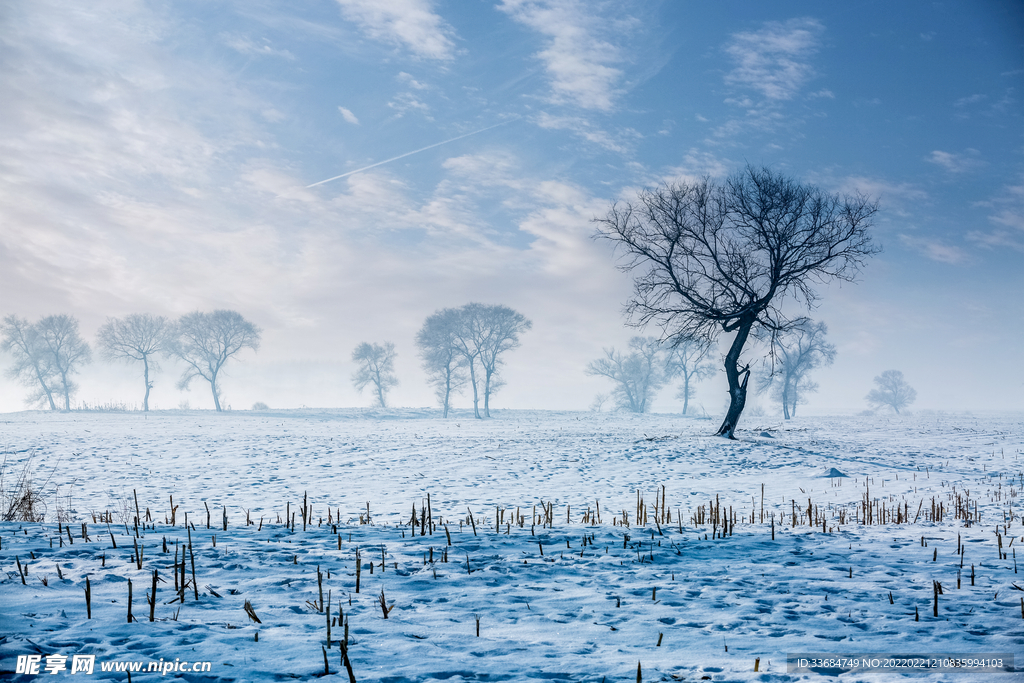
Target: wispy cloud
405,102
936,249
774,59
956,163
586,130
900,198
970,99
247,46
412,82
348,116
410,23
578,58
1008,215
881,189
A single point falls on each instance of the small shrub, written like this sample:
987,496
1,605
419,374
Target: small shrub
20,501
260,405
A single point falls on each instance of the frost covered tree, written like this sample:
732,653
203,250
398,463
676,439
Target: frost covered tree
376,366
499,328
711,258
137,337
32,366
686,360
798,351
637,375
207,341
445,366
483,334
892,391
66,351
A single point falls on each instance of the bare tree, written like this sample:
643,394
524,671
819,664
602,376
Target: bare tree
136,337
58,335
376,367
484,333
685,359
709,258
891,391
33,365
500,327
445,366
206,341
798,351
637,375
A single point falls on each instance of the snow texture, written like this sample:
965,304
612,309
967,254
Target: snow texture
675,595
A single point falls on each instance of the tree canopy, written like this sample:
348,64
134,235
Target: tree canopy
710,258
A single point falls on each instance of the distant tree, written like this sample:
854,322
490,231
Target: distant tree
67,351
798,351
445,366
637,375
206,341
711,258
33,365
136,337
891,390
377,367
685,359
484,333
500,327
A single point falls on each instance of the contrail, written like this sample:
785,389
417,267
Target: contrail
402,156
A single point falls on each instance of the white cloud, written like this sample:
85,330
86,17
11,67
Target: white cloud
406,102
348,116
1008,215
578,60
970,99
412,82
956,163
773,60
411,23
880,189
697,164
588,131
936,249
247,46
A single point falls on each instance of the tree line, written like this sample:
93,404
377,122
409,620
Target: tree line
49,352
649,364
459,348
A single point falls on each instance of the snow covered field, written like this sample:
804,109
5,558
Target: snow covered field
556,593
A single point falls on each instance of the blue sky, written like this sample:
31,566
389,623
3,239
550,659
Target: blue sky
159,158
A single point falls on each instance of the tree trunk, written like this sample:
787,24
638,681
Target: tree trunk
785,398
145,401
447,396
380,391
476,397
213,388
686,391
487,393
46,389
67,392
737,387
